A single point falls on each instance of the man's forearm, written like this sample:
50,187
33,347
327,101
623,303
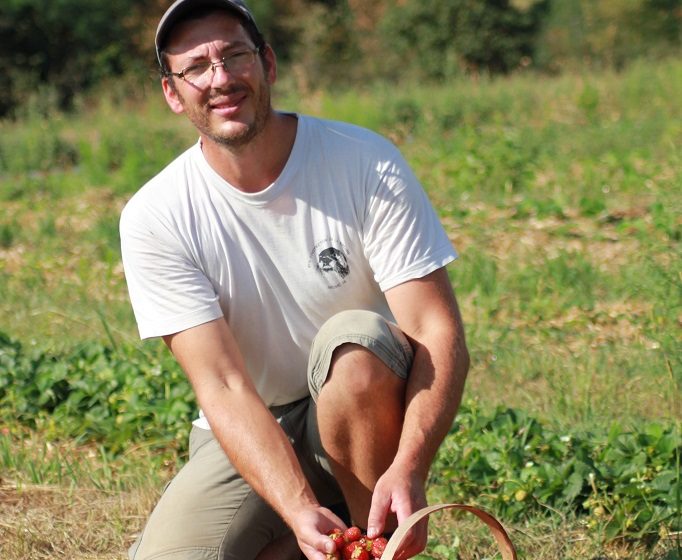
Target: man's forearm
426,310
434,392
260,450
246,430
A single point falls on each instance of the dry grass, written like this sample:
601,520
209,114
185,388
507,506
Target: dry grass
552,539
42,521
39,522
86,516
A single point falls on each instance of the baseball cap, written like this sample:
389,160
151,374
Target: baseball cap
180,8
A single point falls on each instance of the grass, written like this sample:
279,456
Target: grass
562,196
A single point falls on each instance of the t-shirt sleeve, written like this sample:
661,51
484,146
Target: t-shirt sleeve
168,291
403,236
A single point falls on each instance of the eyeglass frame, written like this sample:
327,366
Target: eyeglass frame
220,62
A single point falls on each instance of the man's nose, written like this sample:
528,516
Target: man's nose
220,74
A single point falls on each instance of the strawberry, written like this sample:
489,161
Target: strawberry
366,543
337,536
352,534
378,547
333,556
355,551
347,551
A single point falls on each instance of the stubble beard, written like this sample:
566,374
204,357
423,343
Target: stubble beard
200,118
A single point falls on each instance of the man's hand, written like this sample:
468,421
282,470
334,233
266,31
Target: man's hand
311,526
401,492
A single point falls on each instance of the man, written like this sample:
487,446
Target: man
295,269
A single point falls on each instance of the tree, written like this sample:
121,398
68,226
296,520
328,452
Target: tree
435,38
326,50
609,33
68,44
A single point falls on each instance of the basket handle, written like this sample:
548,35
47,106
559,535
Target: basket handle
503,541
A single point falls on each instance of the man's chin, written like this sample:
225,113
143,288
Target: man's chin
233,135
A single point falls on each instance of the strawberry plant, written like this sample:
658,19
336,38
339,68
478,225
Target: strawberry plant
95,392
621,482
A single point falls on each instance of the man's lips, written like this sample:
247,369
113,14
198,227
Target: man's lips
227,103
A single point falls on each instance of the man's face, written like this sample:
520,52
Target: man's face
231,109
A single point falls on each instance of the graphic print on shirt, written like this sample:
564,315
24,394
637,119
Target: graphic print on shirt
330,259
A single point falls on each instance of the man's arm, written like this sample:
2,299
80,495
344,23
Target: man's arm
248,433
426,310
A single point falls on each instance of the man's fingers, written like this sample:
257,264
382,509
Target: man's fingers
312,527
318,548
376,521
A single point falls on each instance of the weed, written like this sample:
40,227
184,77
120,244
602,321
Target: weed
8,234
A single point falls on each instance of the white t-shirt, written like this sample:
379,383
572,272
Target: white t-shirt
345,221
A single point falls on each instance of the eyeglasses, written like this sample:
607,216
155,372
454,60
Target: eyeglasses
201,74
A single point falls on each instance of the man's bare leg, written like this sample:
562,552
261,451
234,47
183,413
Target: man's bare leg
360,413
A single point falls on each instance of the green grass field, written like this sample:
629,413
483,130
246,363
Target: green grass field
563,198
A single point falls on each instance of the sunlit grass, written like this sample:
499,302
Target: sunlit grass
562,196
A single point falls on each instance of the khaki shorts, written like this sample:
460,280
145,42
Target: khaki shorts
208,511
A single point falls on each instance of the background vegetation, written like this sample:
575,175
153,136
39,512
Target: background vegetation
66,47
552,154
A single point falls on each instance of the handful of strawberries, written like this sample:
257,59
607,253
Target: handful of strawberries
351,544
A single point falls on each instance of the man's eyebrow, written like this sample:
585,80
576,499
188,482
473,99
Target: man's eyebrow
192,58
236,45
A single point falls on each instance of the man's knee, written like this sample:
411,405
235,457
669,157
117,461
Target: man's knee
366,341
360,372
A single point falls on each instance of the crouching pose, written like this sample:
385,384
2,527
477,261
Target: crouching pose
295,268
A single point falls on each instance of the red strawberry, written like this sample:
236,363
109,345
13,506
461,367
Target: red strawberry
355,551
337,536
378,547
366,543
347,551
352,534
333,555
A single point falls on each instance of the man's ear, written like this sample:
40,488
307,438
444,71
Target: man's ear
270,64
171,95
